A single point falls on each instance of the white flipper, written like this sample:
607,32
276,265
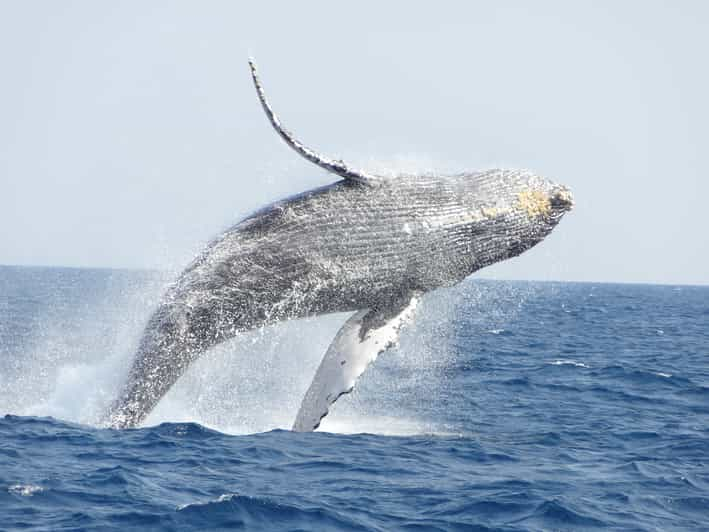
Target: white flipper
358,343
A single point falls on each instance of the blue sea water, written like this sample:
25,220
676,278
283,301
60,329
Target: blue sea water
508,406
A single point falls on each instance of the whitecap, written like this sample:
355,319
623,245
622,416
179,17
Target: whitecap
26,490
564,362
222,498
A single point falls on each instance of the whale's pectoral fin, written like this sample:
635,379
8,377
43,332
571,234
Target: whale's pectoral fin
338,167
358,343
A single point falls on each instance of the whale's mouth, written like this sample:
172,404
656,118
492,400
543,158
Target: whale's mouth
561,199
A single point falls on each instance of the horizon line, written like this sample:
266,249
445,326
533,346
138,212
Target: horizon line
482,278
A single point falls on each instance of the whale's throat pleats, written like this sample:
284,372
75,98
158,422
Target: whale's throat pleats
361,339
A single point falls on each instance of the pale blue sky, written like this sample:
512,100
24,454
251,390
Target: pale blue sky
130,132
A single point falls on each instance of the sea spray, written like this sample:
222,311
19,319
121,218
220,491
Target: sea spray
84,329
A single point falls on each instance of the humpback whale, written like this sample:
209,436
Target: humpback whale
367,244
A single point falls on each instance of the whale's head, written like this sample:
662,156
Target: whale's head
537,202
508,212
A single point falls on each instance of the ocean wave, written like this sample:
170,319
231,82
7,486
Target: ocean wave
260,513
552,514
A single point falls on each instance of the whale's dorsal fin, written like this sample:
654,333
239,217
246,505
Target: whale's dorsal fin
336,167
358,343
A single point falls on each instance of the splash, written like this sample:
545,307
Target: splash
82,328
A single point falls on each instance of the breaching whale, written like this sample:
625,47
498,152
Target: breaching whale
366,244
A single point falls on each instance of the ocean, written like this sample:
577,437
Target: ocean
507,406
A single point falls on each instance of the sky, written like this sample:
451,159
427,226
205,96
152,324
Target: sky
130,133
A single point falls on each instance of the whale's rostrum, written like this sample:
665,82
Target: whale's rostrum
365,244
